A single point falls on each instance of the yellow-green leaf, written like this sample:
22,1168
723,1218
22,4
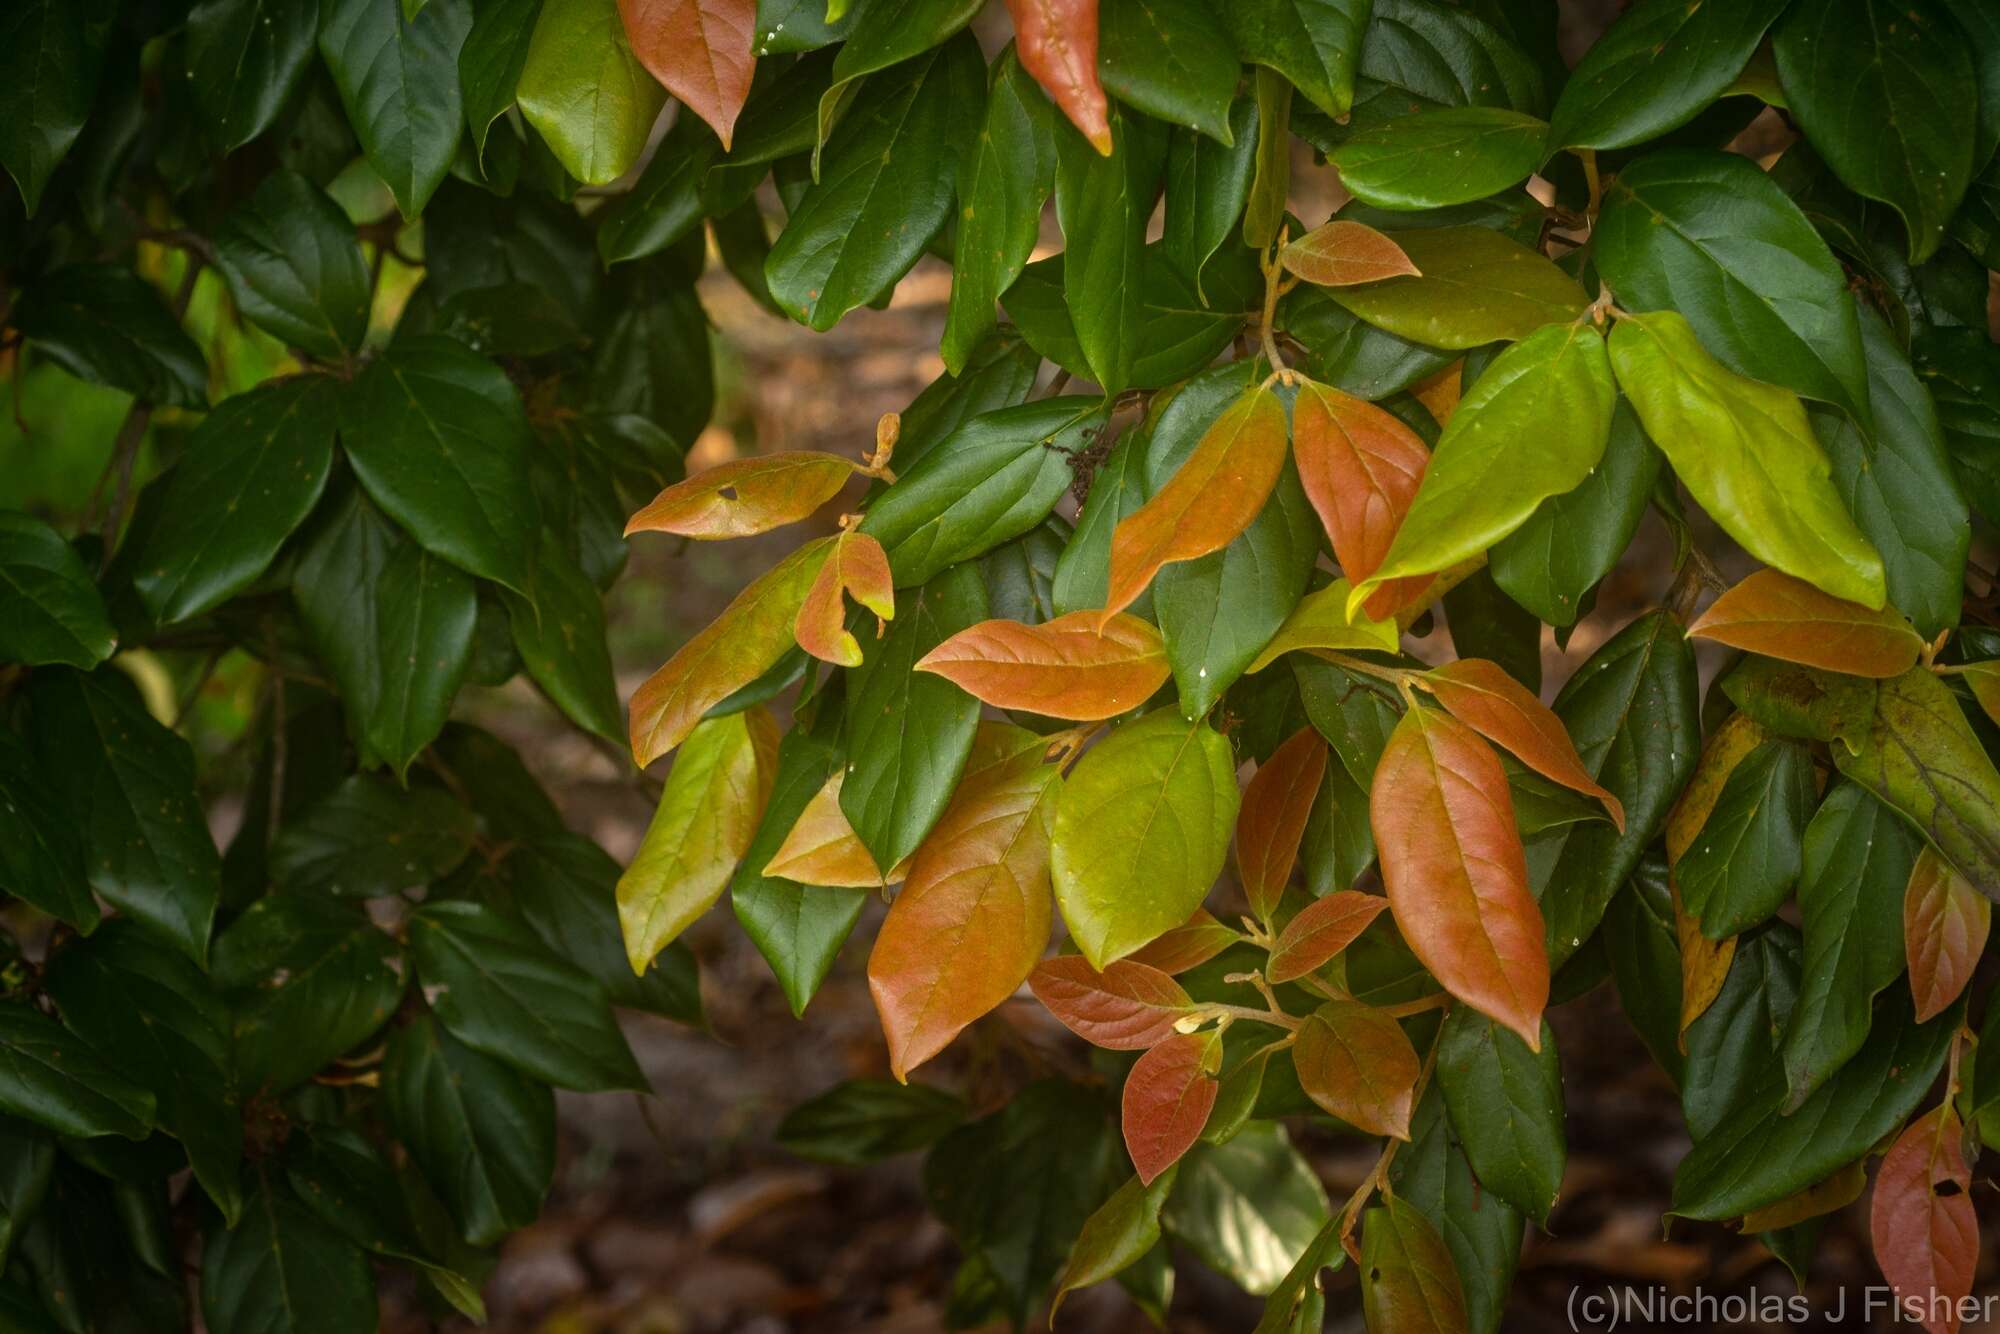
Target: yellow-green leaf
1473,286
585,92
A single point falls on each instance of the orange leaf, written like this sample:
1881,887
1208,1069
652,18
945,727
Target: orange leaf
1057,43
1070,667
1781,617
745,496
1945,923
1210,499
1168,1097
1341,254
973,918
1481,695
1439,393
1357,1064
1272,819
1704,962
1456,875
1322,929
739,646
823,849
700,49
1126,1007
1189,945
856,568
1361,469
1926,1240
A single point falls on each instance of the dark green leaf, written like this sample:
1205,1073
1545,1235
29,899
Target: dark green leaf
1433,159
1020,576
244,59
1802,702
1339,845
51,53
1354,712
1742,865
1314,43
1448,56
1486,624
295,269
1961,368
1481,1230
1208,184
398,80
1170,59
48,1076
1506,1109
106,324
283,1270
1083,571
1734,1045
1103,204
41,857
1644,953
559,629
1351,354
27,1161
369,839
491,59
865,1120
50,612
652,359
425,614
665,204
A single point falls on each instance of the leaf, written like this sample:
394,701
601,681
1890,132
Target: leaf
1171,59
1476,286
1210,499
1435,158
1890,98
1945,924
53,55
397,83
491,60
1104,199
295,269
1355,1063
745,496
1748,855
1506,1108
425,616
1802,702
708,813
1248,1209
821,847
1482,1231
1319,931
1746,453
862,1121
252,471
1656,68
1553,388
855,567
244,59
1167,1100
369,839
586,90
1782,617
41,851
50,612
1127,1007
284,1269
1120,1234
503,992
704,51
1271,178
1499,708
1361,468
1454,870
1411,1283
1922,1223
1314,44
1341,253
48,1076
1710,236
1320,621
739,646
105,324
1056,41
1208,182
1063,668
974,915
1142,830
1272,819
1189,945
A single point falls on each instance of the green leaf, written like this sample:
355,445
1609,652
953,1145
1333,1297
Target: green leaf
559,629
1476,286
295,269
50,611
491,59
153,1014
1339,845
1961,368
252,471
999,374
1142,830
1354,712
1743,864
1533,426
1122,1232
1550,563
993,478
1249,1208
244,60
482,1135
128,784
863,1121
1314,44
1710,236
48,1076
1208,185
1506,1109
885,33
909,733
27,1161
1644,953
1449,56
1103,204
501,991
1002,186
370,839
801,25
106,324
1734,1041
1656,68
1794,700
1923,758
340,1177
652,359
584,91
437,435
1297,1305
41,854
1171,59
282,1270
1746,452
886,184
1890,97
1271,178
1083,571
51,54
1452,155
398,81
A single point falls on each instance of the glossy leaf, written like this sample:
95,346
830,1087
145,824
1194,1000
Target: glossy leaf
1189,945
862,1121
1506,1108
491,60
1116,1237
50,1077
1781,617
1064,668
1341,254
245,58
397,78
50,611
1272,819
367,839
1167,1100
1356,1064
1104,200
1249,1208
856,567
1321,621
1171,59
1655,69
1476,286
584,89
1127,1007
1321,930
821,848
704,51
1481,1230
1499,708
54,52
284,1268
1314,44
1361,468
1945,925
1750,850
1411,1282
1208,182
1433,159
295,269
745,496
106,324
41,853
1057,44
1922,1223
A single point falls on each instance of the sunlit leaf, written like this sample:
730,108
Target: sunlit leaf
1476,286
745,496
1321,621
823,849
1068,667
1782,617
1320,930
1357,1064
1127,1007
855,568
1342,253
1483,697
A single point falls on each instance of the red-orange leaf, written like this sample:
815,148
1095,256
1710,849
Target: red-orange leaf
1456,875
1272,819
1322,929
739,646
1926,1239
1126,1007
1357,1064
1211,498
1341,254
823,849
1361,469
858,568
1781,617
1069,667
1168,1097
1440,392
973,917
1057,42
1189,945
745,496
700,49
1481,695
1945,924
